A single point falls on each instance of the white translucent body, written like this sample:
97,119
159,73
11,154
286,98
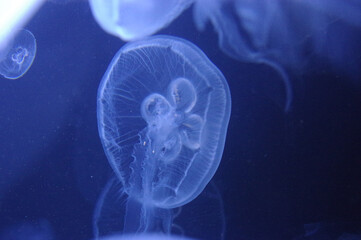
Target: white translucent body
18,56
277,33
163,112
13,15
135,19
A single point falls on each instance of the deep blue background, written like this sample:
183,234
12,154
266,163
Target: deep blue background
279,170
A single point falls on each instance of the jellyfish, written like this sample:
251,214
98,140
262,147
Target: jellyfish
274,30
145,237
285,35
163,110
18,56
14,15
131,20
64,2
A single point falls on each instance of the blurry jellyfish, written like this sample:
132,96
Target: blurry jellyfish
15,15
203,218
151,236
64,2
282,34
131,20
163,112
17,57
274,30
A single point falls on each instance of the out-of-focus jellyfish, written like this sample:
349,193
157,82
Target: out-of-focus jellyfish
131,20
14,15
36,230
203,218
18,56
65,2
163,112
243,26
152,236
281,34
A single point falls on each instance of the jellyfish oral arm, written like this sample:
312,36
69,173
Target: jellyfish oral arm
180,107
142,217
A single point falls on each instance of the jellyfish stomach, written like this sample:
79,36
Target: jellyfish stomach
141,217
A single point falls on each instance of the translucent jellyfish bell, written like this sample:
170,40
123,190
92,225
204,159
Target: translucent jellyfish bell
18,56
163,112
274,30
135,19
14,15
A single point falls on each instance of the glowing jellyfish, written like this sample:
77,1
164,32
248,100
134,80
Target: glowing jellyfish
283,34
18,56
163,112
152,236
274,30
131,20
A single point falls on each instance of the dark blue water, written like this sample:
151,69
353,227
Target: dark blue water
279,170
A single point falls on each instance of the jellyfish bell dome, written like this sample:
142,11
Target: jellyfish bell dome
163,112
18,56
152,236
132,20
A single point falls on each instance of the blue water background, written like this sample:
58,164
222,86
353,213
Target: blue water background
279,170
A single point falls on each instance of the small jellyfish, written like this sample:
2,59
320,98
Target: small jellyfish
18,56
163,112
131,20
64,2
274,30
